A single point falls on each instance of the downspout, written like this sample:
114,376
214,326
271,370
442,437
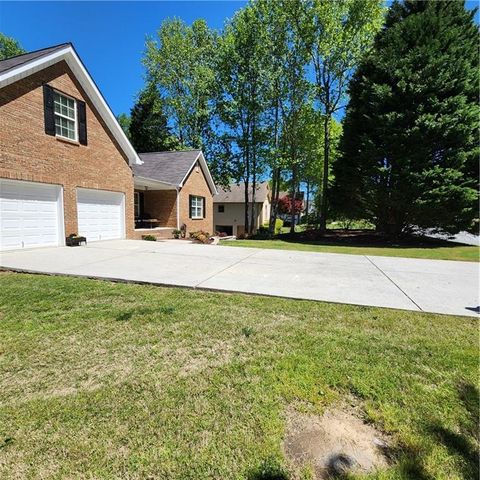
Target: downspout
178,207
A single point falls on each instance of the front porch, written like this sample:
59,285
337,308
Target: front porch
156,208
157,232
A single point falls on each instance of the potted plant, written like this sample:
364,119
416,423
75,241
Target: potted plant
177,233
74,240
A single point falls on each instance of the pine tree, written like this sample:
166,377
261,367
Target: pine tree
149,131
410,138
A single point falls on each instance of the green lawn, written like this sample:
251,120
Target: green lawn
455,252
101,380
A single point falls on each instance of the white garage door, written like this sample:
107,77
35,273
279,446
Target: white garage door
100,214
30,215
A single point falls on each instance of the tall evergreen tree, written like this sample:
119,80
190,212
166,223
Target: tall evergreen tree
410,138
149,131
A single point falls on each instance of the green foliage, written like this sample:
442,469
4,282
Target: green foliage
180,63
243,78
124,121
149,238
9,47
410,142
336,34
278,226
149,131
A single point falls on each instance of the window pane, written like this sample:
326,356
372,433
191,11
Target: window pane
65,127
64,106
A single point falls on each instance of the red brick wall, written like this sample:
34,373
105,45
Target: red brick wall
161,204
196,185
28,153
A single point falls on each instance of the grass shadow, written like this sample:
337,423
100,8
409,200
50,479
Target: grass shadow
128,314
365,239
268,469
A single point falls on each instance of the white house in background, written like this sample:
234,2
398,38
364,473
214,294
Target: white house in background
229,208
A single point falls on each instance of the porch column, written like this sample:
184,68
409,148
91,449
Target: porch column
178,207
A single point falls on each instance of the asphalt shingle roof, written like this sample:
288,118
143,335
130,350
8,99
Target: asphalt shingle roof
168,167
18,60
236,193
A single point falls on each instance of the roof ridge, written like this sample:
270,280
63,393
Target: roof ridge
171,151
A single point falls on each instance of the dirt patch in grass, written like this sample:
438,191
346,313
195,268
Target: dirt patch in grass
337,443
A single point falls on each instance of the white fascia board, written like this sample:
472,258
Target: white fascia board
151,183
206,171
68,54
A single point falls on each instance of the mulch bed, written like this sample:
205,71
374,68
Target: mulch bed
362,238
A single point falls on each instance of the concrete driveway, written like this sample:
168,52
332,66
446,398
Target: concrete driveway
429,285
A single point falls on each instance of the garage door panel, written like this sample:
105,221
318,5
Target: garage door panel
100,214
30,214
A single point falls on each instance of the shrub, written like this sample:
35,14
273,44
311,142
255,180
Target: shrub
200,236
149,238
177,233
263,233
277,229
278,226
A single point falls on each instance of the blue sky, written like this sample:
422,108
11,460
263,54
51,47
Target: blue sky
109,36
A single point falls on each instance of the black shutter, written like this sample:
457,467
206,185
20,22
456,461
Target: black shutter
82,122
190,206
203,207
48,110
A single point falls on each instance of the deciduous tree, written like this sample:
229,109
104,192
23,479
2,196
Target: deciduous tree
9,47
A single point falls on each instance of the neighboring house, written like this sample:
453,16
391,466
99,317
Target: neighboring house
65,162
229,208
174,189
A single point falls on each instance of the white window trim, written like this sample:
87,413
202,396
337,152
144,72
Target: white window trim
75,120
195,207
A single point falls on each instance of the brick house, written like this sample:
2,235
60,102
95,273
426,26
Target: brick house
65,162
173,189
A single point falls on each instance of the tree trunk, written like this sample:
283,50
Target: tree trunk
251,229
276,177
307,202
273,214
326,158
292,202
246,185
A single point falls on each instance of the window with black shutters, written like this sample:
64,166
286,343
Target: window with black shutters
65,116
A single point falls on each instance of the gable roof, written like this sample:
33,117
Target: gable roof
236,193
17,60
172,168
18,67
